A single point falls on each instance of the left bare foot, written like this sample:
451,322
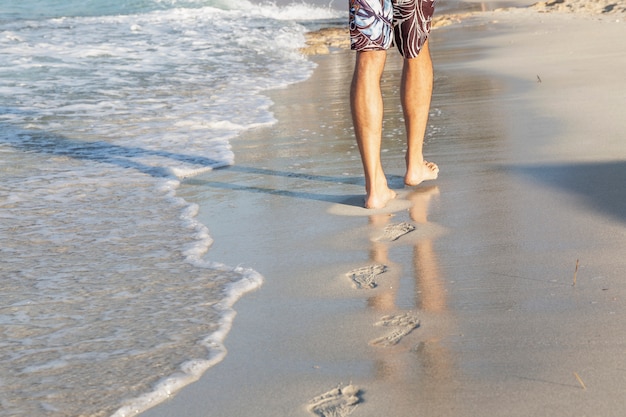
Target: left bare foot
379,198
425,171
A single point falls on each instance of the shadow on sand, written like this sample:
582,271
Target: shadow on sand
128,157
599,185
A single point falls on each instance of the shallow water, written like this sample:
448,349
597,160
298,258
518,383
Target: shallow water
108,298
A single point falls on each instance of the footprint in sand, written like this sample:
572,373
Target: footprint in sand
403,323
338,402
394,231
364,277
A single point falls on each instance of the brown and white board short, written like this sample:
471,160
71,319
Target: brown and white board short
377,24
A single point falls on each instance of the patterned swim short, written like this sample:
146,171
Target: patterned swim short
376,24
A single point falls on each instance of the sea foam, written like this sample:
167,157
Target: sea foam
110,302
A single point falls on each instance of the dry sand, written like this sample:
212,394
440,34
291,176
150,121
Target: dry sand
475,311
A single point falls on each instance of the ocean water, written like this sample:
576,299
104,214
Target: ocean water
109,299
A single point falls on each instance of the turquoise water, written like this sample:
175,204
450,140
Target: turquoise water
110,300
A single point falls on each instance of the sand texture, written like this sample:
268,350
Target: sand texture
586,7
365,277
338,402
506,297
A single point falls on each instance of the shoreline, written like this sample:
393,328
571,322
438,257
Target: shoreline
327,39
523,195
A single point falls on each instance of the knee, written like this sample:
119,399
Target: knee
371,61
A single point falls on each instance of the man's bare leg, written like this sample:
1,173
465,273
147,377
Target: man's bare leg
416,93
366,102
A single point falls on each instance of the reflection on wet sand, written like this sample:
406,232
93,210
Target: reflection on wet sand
426,368
430,290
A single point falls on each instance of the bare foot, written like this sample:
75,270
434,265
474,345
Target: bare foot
379,199
423,172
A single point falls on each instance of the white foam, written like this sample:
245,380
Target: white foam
101,116
190,371
54,364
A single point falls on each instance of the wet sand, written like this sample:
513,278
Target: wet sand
506,297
